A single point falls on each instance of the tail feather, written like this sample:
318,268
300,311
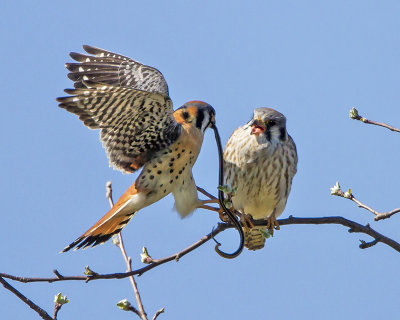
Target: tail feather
112,223
254,239
99,237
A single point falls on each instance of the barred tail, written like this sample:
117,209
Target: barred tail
112,222
254,239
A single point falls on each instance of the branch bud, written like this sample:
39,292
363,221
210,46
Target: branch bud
348,194
89,272
266,234
145,257
124,305
228,204
354,114
59,299
115,240
335,189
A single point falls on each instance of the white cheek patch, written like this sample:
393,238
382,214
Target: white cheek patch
206,122
275,133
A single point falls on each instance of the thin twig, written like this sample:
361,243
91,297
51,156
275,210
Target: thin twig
352,225
57,307
158,313
336,191
134,310
354,115
209,195
128,261
43,314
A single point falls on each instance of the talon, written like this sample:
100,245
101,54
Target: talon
272,224
222,215
246,221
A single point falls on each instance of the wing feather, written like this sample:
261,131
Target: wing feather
134,124
114,69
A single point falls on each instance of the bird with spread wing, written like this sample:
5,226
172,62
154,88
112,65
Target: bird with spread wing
130,104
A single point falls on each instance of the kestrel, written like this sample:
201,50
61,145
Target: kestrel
260,163
129,103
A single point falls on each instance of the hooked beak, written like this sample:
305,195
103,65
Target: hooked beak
257,127
212,123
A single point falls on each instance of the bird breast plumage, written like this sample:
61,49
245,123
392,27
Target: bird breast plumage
261,170
170,170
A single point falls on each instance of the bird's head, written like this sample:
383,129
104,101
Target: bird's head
197,113
268,123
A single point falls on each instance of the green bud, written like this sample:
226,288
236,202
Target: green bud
266,234
348,194
58,298
144,256
228,204
354,114
124,305
89,272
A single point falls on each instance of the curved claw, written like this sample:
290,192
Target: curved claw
222,203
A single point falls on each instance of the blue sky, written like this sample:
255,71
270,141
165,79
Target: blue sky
311,60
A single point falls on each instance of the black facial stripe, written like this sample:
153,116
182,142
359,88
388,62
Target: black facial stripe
283,134
268,133
200,118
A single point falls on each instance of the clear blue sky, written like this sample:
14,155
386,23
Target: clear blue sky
311,60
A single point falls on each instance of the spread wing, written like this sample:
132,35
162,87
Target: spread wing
116,70
134,123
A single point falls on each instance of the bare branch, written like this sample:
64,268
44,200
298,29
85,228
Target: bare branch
43,314
57,307
336,191
133,309
158,313
127,306
208,195
128,261
354,115
353,226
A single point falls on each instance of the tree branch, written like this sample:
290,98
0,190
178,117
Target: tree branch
353,226
43,314
57,307
336,191
354,115
158,313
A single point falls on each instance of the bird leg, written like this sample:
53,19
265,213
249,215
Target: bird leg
272,224
247,222
203,206
212,200
220,211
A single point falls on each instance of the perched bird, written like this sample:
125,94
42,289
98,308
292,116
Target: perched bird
260,161
129,103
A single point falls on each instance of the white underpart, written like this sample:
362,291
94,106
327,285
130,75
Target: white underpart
186,200
258,173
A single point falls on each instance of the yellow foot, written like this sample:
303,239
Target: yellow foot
246,221
272,224
220,211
